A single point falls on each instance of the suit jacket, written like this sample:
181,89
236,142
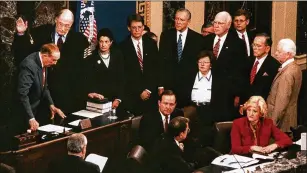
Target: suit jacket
64,77
230,69
167,157
173,71
136,80
264,78
282,100
151,127
251,35
242,137
108,81
72,164
30,89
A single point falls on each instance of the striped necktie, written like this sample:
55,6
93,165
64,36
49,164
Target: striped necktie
179,48
216,48
139,53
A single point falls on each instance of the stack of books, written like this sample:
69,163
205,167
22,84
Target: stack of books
100,106
301,61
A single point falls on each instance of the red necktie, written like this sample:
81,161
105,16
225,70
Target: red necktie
166,123
59,42
253,72
44,76
243,38
216,48
140,55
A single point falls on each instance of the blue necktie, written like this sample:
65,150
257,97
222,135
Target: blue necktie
179,48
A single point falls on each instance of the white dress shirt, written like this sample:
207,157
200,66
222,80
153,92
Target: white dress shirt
183,37
135,44
287,62
201,91
246,41
260,62
105,58
223,38
57,36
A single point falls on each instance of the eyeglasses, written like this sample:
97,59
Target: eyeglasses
257,46
218,23
66,26
136,27
204,62
239,21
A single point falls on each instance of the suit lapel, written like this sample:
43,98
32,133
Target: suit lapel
40,70
262,68
174,45
133,51
280,72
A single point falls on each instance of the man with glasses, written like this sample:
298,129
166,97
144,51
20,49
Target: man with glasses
153,124
229,67
240,23
141,68
179,47
62,78
263,67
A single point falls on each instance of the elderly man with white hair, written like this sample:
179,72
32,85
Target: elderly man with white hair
74,161
282,100
229,66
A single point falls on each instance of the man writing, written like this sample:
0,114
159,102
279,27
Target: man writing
32,88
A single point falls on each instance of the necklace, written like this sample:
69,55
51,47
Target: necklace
104,57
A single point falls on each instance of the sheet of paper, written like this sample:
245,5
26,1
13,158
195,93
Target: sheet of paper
98,160
249,169
299,142
87,114
53,128
75,123
234,161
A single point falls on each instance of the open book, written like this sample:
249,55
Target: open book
98,160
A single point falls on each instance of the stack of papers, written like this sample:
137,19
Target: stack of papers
53,128
98,160
249,169
234,161
87,114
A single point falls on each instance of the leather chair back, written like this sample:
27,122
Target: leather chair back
137,159
4,168
222,141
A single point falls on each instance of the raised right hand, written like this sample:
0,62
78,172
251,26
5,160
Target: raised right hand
21,26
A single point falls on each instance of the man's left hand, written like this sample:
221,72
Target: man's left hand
54,110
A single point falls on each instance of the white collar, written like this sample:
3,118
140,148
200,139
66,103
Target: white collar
287,62
240,34
223,38
135,42
184,33
40,58
208,75
163,116
261,60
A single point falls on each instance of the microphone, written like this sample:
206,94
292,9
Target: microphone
238,163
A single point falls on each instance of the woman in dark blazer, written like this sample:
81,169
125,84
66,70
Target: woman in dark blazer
104,70
253,132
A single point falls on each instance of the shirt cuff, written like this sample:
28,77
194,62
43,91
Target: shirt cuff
31,119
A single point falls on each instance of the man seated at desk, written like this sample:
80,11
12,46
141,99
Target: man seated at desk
32,89
74,161
253,132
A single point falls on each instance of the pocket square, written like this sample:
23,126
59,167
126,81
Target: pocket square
265,74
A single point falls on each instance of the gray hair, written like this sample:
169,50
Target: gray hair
225,16
76,142
287,45
185,10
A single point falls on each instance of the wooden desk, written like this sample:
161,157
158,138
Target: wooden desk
111,139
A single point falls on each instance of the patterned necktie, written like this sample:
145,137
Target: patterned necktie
216,48
253,72
179,48
139,53
166,123
59,42
44,76
181,146
243,38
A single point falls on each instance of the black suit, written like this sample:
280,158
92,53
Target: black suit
136,79
173,71
250,36
167,157
264,77
72,164
33,96
64,77
108,81
230,71
151,127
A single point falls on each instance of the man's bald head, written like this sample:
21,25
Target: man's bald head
63,21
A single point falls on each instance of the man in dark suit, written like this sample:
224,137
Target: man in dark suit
263,67
155,123
240,23
229,68
168,152
32,88
74,161
63,79
141,68
178,48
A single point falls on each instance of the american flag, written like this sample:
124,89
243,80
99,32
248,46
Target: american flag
87,25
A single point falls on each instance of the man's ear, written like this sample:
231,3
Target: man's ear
247,21
129,28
